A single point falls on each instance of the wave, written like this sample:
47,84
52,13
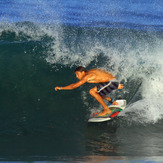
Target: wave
133,56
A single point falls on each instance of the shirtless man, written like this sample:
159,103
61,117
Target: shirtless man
106,83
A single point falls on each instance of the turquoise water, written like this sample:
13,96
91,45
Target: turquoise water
42,42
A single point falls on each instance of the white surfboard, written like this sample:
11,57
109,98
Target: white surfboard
118,108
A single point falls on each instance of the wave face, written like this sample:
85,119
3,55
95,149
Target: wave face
40,51
134,57
35,58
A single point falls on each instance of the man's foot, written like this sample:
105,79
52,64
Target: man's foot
106,111
111,102
115,103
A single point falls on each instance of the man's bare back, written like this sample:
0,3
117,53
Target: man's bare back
98,76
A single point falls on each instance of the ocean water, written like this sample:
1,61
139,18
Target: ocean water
42,42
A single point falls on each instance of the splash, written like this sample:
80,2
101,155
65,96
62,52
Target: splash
134,57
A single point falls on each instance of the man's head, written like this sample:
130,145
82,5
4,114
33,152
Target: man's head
80,72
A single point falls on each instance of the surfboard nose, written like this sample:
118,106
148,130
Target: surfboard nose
121,102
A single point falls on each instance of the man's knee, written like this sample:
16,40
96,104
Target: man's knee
93,91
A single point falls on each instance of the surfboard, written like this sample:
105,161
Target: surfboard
116,110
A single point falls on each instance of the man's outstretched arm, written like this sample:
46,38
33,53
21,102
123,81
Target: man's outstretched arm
72,86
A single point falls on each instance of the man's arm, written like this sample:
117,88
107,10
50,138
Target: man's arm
72,86
120,86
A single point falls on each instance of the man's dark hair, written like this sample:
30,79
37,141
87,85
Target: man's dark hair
80,69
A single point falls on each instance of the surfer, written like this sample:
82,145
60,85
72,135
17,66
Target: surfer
106,83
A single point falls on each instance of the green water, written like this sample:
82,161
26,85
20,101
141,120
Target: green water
37,123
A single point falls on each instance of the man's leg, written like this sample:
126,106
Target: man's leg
93,92
106,98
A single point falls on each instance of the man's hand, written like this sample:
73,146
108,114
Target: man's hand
120,86
57,88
